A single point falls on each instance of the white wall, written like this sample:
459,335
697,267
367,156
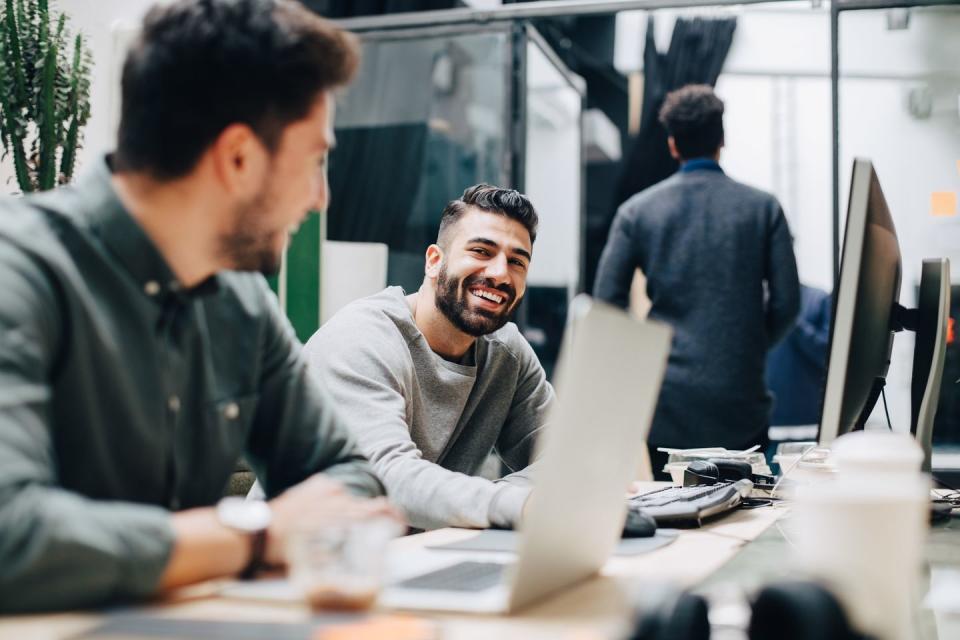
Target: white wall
96,20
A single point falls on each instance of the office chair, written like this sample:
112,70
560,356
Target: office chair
781,611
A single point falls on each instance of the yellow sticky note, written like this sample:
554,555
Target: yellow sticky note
943,203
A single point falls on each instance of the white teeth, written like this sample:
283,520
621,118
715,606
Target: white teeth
488,296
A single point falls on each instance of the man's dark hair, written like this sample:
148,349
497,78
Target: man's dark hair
507,202
693,115
199,66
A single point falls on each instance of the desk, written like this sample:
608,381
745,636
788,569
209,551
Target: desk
596,609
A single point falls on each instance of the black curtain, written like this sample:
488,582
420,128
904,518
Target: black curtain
375,173
696,55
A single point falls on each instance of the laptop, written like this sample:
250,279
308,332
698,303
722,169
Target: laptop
608,382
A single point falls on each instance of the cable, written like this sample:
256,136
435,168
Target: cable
784,472
883,393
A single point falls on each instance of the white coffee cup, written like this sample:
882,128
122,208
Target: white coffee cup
863,532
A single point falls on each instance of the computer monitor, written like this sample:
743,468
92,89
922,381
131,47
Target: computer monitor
867,314
929,352
861,334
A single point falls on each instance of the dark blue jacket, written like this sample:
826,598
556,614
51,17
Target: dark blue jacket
797,367
720,269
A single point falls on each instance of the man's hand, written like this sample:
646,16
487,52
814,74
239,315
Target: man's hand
316,502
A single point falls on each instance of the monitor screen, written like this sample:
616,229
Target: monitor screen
861,333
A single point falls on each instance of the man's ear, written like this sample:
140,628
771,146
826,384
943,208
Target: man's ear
434,258
240,160
672,145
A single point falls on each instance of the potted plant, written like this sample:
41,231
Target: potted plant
44,93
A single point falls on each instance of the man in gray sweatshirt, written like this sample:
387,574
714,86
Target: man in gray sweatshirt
720,269
432,382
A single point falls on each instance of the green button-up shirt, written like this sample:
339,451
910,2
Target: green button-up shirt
124,397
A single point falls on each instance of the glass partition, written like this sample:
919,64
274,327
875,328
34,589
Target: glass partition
437,109
425,118
899,105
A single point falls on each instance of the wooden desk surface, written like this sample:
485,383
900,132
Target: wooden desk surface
597,608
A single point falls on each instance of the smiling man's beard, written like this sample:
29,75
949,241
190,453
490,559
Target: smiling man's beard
451,300
249,247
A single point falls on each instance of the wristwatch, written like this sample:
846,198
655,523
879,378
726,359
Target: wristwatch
250,517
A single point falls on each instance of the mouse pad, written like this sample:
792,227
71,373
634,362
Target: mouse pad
500,540
144,626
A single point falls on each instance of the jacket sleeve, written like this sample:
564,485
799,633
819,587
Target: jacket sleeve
617,263
297,429
58,549
366,379
783,282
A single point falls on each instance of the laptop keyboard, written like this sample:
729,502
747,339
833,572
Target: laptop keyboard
463,576
687,505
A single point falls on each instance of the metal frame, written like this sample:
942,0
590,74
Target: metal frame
529,10
835,8
578,84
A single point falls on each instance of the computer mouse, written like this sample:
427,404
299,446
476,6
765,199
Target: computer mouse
732,469
639,524
700,472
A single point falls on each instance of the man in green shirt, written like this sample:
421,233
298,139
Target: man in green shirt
139,356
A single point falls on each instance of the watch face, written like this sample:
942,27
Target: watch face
244,515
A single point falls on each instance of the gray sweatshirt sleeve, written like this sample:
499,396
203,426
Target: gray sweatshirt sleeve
58,549
367,371
617,263
782,279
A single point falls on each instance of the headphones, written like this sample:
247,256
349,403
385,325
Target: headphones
795,610
714,470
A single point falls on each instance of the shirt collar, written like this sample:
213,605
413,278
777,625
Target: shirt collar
706,164
128,242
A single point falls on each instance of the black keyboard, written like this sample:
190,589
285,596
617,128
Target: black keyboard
687,505
463,576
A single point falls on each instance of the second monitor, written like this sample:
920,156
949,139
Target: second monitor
867,314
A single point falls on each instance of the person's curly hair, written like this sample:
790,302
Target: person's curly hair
693,116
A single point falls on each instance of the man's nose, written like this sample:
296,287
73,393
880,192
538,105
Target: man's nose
497,268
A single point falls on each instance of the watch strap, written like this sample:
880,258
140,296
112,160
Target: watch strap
258,549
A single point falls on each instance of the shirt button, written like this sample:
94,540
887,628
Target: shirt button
152,288
173,403
231,411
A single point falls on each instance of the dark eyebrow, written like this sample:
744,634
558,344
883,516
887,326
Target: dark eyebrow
490,243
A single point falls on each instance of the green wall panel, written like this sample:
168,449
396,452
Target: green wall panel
303,277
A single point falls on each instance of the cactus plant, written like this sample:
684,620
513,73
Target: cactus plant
44,93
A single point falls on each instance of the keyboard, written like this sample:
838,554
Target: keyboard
688,505
463,576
